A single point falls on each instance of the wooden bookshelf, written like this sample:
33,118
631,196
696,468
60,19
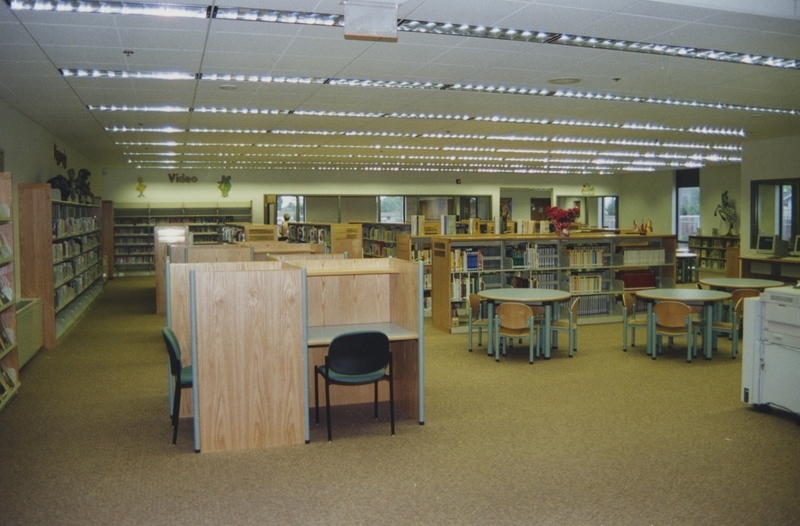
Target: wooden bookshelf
134,223
9,350
712,252
593,266
336,238
61,256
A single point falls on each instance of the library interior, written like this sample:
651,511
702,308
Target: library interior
204,204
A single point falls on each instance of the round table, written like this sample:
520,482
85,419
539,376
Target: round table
741,283
544,297
694,296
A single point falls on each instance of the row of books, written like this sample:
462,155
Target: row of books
533,227
232,234
421,254
65,211
133,241
74,267
6,290
134,231
586,283
5,249
378,249
644,256
68,292
379,233
133,260
7,338
74,246
133,249
462,287
134,222
586,257
9,381
593,305
308,234
70,226
466,260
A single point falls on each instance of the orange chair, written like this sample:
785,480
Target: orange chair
514,320
567,322
630,321
674,318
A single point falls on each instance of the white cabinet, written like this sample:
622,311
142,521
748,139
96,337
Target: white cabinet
771,352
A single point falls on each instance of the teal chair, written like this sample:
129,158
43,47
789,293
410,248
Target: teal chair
181,377
356,358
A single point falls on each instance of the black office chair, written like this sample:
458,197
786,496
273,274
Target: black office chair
356,358
182,376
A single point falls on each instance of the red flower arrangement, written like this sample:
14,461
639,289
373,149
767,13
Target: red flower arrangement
562,218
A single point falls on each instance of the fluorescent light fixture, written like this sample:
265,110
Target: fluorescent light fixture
111,8
111,74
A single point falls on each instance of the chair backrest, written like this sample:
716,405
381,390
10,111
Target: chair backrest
475,306
359,352
576,304
513,315
173,349
628,303
738,294
739,308
671,313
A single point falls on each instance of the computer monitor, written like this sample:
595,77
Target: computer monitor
795,252
772,246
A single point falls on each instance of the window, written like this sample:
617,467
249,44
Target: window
609,219
294,205
687,185
391,209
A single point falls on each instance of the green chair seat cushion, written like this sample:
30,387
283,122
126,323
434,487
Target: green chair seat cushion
186,375
352,378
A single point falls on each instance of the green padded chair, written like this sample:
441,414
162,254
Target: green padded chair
181,377
356,358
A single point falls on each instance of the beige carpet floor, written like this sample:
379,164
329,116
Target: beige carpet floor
604,438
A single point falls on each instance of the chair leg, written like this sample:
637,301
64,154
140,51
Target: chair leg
316,392
625,334
391,400
469,335
328,406
176,411
376,400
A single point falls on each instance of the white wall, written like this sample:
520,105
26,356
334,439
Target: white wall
28,150
765,159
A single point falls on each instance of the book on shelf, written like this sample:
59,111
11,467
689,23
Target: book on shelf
417,225
8,375
6,290
448,225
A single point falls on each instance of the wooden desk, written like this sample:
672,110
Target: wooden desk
546,297
707,298
345,295
787,269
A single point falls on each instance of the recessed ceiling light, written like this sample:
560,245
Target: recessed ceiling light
228,87
564,80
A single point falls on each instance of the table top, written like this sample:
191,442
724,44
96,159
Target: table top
741,283
684,295
324,335
525,295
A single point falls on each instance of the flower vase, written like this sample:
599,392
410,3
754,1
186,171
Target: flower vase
562,229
